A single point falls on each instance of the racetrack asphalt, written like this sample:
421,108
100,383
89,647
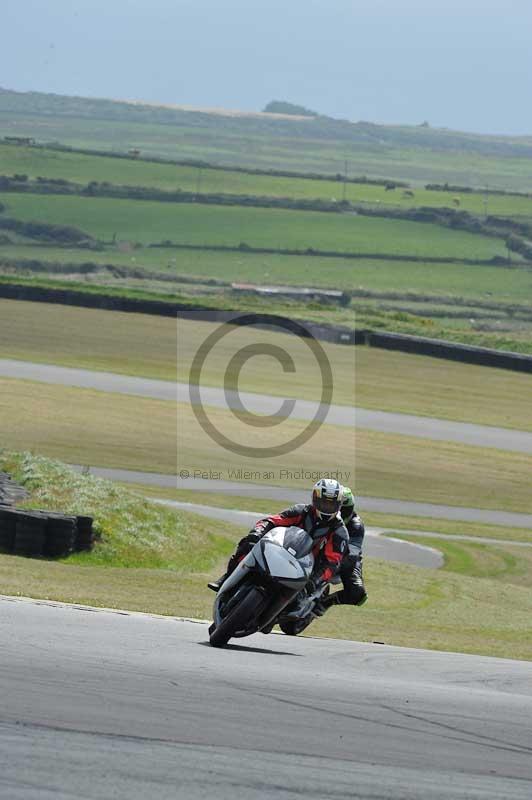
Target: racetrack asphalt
387,422
100,704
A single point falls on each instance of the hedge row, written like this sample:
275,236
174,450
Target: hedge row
200,164
54,234
450,187
115,191
244,247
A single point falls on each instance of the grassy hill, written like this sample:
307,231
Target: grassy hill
418,154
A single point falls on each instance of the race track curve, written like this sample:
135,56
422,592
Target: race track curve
375,545
99,704
287,495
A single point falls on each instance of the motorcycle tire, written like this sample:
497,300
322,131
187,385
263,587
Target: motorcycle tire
238,618
291,627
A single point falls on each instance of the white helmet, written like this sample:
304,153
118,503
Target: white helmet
327,496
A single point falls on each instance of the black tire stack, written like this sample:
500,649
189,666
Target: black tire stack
84,539
8,524
30,534
39,533
60,535
43,533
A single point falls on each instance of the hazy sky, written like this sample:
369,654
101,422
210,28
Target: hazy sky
464,64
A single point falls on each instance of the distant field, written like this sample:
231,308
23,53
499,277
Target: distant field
145,222
238,142
81,168
478,282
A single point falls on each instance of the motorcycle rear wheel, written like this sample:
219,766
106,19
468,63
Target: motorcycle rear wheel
238,618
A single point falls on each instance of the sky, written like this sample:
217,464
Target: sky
461,64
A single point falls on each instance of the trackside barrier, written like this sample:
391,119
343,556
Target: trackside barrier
419,345
39,533
438,348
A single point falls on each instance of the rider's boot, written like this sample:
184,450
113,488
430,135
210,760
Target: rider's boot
216,584
233,563
326,603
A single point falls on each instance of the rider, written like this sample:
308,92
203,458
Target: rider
354,591
320,518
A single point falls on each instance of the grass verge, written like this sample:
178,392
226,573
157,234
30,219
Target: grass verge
81,426
507,563
86,338
442,610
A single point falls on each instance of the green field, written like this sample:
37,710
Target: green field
475,282
413,297
145,222
81,168
400,152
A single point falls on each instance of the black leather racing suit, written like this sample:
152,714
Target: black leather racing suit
354,591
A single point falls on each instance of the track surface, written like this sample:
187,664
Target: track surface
98,704
423,427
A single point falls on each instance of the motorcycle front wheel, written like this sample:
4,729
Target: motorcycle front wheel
238,618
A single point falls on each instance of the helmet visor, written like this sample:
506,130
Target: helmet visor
327,505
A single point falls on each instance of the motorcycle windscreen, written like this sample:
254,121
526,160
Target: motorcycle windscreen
282,566
298,542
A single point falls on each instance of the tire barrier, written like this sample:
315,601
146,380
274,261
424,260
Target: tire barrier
438,348
60,535
44,533
30,535
84,539
8,523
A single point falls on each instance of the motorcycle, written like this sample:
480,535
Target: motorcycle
262,590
